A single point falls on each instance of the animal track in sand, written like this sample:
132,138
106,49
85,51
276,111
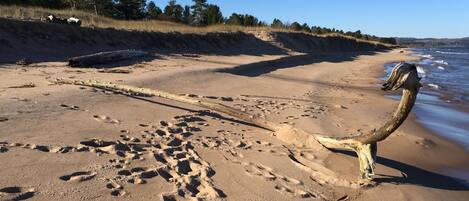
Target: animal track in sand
106,119
16,193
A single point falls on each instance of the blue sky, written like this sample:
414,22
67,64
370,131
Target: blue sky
402,18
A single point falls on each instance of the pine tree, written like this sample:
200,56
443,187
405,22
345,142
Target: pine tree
131,9
153,11
250,20
173,11
198,12
186,15
305,28
277,24
235,19
213,15
295,26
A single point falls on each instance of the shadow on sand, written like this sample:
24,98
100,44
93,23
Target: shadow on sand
415,176
264,67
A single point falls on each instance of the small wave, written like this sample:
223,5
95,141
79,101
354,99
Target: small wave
426,62
434,86
441,68
425,56
441,62
421,71
460,53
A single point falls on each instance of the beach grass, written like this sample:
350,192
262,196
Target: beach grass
92,20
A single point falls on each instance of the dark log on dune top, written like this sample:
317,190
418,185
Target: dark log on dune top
105,57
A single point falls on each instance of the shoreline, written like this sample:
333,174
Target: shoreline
431,124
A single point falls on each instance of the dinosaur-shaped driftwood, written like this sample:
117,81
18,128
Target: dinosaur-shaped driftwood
403,76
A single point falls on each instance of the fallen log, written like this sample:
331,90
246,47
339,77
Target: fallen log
105,57
403,76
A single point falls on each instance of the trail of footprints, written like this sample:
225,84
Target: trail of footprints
15,193
175,160
238,142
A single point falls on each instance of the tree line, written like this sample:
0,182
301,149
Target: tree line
200,13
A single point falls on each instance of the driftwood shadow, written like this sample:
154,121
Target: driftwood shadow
197,112
415,176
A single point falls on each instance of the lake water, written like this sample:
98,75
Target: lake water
442,104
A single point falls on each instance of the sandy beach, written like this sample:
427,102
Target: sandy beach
62,142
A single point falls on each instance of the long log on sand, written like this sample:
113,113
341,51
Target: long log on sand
105,57
403,76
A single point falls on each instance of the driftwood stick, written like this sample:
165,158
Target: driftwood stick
104,57
403,76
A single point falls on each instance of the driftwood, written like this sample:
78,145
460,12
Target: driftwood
105,57
59,20
403,76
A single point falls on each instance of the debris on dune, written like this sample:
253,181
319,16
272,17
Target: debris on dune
340,106
28,85
122,71
105,57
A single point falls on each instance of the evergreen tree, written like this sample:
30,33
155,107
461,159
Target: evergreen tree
198,12
305,28
213,15
235,19
153,11
173,11
130,9
250,20
186,15
277,24
295,26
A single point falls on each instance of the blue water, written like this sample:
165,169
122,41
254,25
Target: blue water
442,104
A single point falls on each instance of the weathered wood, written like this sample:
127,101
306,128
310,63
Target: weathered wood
404,76
105,58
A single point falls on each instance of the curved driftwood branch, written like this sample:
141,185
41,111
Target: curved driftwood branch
403,76
104,57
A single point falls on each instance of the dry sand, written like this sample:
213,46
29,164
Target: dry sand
76,143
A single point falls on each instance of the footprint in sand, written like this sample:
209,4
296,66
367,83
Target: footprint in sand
283,184
177,161
16,193
72,107
78,176
106,119
116,189
291,117
3,119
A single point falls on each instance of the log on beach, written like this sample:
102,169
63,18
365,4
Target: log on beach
105,58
